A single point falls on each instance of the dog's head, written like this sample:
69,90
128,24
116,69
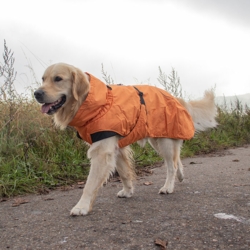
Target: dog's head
63,90
63,85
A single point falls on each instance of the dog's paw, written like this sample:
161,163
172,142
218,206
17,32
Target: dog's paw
75,211
180,176
166,190
125,194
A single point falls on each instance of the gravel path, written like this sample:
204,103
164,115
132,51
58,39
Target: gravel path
210,209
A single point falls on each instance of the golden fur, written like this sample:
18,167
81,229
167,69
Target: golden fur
63,80
74,84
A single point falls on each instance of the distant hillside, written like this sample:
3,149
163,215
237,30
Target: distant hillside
244,100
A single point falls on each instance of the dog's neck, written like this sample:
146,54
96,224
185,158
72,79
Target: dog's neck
88,80
64,118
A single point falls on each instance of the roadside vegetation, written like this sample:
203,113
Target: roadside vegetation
36,157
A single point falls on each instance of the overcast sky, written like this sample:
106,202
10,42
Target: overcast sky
206,41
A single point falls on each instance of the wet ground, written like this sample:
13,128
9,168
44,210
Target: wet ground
210,209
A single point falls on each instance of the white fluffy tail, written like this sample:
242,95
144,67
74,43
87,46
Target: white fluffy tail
202,111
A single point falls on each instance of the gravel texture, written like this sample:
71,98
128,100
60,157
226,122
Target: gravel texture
210,209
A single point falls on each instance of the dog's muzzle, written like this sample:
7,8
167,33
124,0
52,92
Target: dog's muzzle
49,108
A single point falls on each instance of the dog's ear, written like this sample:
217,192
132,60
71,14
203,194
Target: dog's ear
80,85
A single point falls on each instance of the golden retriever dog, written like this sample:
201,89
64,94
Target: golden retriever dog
66,91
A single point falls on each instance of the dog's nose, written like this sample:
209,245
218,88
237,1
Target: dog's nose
39,94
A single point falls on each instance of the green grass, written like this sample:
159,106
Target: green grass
233,131
35,156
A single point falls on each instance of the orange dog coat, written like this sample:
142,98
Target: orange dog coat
133,112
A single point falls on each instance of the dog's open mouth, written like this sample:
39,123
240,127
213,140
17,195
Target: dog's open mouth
51,108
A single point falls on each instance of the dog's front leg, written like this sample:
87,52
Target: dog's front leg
125,169
103,163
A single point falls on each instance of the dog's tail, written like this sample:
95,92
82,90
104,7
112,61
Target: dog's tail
203,112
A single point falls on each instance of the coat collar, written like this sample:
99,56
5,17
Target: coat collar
97,103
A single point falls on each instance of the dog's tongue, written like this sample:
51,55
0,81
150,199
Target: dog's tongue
46,107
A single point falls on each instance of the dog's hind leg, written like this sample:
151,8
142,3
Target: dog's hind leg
168,150
103,163
180,174
125,169
177,161
154,143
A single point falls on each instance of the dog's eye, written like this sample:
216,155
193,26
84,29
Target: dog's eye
58,79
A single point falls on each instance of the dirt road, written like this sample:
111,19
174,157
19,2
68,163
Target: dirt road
210,209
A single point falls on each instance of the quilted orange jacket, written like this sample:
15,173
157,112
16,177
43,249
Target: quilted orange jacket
133,112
